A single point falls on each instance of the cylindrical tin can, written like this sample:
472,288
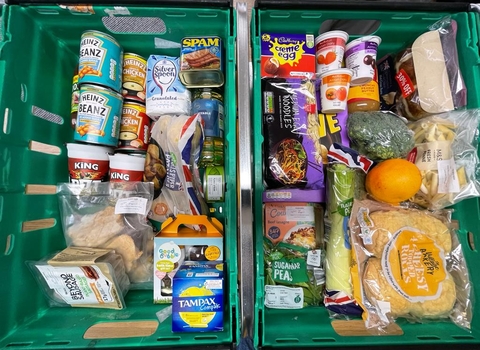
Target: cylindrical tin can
98,118
209,103
134,77
214,183
134,128
101,60
74,103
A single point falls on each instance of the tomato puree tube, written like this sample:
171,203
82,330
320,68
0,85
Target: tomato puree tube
329,50
334,87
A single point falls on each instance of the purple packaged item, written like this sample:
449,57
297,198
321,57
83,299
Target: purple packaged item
287,55
293,195
292,147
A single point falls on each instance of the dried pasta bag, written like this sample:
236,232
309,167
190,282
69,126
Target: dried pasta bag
293,153
446,153
111,215
409,264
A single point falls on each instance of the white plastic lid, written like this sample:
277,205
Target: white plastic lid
81,151
372,38
332,34
126,162
336,72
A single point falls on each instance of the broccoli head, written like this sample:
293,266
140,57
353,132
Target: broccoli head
379,136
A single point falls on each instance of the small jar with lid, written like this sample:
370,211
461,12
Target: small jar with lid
364,98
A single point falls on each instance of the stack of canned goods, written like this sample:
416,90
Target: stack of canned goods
108,109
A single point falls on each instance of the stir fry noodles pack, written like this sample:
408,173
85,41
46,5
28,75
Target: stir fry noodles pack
293,151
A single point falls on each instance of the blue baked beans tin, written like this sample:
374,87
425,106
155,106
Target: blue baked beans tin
99,115
101,60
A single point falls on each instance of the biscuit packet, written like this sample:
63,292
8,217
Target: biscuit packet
408,263
111,215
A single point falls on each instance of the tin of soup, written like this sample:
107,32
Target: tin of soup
100,60
201,62
134,128
134,76
98,116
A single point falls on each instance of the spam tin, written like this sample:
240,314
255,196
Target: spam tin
134,127
98,117
201,62
100,60
134,77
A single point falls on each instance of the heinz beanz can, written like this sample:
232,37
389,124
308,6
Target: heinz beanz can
101,60
98,116
134,128
134,77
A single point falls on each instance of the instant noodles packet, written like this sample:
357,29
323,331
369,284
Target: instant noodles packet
293,151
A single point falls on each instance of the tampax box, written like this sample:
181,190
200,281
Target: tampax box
178,242
198,297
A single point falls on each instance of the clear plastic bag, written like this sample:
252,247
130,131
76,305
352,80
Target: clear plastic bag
409,264
429,75
111,215
379,135
77,275
179,141
446,154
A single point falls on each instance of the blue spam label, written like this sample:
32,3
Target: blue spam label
198,302
100,60
99,114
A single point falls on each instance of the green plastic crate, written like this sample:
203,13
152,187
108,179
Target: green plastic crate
311,327
38,53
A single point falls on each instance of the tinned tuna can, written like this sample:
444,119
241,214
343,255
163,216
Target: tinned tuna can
100,60
98,116
134,128
134,77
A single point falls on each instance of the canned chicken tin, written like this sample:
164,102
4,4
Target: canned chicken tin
134,128
100,60
201,62
134,76
98,117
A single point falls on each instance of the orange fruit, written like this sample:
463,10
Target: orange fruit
393,181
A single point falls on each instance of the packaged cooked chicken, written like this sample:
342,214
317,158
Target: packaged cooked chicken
409,264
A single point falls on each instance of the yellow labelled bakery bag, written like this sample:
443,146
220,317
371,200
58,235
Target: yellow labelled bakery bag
177,242
83,277
409,264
